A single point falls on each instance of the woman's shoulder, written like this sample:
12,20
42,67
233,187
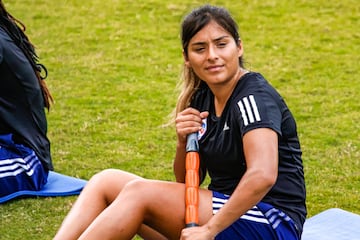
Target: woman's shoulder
4,36
248,84
5,42
253,78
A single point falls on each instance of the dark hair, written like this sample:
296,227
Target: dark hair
16,31
200,17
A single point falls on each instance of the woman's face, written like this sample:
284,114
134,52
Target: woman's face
213,55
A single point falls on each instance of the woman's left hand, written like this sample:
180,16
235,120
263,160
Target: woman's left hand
196,233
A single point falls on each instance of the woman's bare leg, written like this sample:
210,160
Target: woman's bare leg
98,193
159,205
148,233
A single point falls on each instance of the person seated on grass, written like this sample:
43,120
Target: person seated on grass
248,145
25,158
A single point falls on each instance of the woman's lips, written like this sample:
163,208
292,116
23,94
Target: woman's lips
214,68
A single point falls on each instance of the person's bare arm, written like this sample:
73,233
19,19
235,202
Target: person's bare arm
261,153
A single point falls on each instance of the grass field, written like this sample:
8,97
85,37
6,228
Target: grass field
113,68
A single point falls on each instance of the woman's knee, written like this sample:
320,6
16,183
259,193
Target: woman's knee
110,182
114,177
138,187
153,194
142,191
101,177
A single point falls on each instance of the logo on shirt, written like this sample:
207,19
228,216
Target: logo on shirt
249,110
226,127
203,128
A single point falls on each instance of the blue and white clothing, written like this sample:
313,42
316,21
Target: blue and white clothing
25,156
263,221
20,168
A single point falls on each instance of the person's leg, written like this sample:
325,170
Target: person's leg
98,193
160,205
147,233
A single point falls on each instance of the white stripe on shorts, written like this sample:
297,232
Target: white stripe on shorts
15,166
253,214
276,217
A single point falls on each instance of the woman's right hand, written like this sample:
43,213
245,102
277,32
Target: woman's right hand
188,121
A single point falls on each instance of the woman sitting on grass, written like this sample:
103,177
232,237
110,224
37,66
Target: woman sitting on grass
25,158
248,145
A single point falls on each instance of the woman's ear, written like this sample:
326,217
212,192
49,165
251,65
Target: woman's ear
186,59
240,48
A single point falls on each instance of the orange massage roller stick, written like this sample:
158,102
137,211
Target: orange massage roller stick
192,163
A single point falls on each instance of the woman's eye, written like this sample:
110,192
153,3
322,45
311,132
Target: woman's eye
221,44
200,49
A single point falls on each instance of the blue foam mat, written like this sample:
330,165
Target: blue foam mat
57,185
332,224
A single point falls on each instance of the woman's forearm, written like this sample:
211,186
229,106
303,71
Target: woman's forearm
179,162
251,189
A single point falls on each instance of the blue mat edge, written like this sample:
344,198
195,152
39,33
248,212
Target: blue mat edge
73,190
332,224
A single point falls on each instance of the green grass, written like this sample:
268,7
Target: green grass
113,68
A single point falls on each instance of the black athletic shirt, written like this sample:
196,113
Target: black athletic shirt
21,101
253,104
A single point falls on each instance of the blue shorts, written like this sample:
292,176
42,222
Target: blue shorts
20,168
263,221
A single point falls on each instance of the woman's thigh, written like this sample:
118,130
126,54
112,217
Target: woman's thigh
164,205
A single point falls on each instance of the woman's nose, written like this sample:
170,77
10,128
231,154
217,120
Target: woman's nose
212,53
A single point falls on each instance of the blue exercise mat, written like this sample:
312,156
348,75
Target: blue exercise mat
57,185
332,224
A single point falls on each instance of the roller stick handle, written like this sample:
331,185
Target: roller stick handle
192,163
